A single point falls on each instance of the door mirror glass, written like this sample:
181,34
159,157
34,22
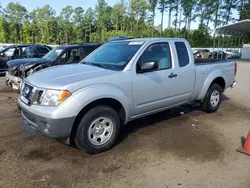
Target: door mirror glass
149,66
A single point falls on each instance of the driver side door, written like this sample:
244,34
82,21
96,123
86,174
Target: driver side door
156,89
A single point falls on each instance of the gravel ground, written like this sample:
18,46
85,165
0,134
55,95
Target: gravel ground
164,150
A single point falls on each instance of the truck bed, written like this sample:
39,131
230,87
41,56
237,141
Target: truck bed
209,61
209,67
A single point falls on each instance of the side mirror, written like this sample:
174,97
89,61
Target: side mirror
2,54
149,66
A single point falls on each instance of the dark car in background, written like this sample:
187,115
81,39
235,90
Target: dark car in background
219,54
61,55
12,52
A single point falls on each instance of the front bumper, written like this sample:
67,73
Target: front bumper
41,120
13,81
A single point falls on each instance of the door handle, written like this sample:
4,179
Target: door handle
172,75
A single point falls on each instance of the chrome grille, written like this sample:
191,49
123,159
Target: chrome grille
31,94
27,93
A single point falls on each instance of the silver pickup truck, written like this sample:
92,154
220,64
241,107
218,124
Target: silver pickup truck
89,102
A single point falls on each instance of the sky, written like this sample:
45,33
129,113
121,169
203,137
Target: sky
85,4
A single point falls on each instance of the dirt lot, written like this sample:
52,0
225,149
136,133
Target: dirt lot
164,150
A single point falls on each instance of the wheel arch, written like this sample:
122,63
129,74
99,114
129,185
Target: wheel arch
220,81
214,77
111,102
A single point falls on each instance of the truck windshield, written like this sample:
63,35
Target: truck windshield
53,54
113,55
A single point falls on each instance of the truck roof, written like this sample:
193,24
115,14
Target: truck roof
147,39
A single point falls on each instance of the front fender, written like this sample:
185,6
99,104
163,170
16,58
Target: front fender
210,78
100,91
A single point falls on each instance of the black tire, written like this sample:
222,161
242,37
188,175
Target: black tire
207,105
82,139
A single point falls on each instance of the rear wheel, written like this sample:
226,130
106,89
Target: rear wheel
98,130
213,98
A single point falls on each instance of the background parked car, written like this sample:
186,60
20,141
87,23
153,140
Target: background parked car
237,53
202,53
20,51
219,54
61,55
232,54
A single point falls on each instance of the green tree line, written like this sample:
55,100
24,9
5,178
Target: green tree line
133,18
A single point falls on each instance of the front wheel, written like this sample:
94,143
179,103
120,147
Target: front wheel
98,130
213,99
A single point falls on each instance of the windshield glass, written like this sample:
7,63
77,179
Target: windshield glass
113,55
53,54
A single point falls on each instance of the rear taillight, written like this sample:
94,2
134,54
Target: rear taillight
235,69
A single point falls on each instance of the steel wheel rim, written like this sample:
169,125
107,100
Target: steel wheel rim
100,130
215,98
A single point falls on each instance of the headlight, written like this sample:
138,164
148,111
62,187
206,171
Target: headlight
54,97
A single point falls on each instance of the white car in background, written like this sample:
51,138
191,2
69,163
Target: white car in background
232,54
202,54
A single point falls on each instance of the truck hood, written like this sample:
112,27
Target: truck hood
59,77
18,62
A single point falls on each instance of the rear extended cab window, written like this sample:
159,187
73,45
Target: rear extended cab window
182,54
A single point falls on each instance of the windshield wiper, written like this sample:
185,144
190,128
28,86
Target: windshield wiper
100,65
97,65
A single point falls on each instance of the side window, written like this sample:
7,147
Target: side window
71,56
10,52
29,51
158,53
182,54
42,50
